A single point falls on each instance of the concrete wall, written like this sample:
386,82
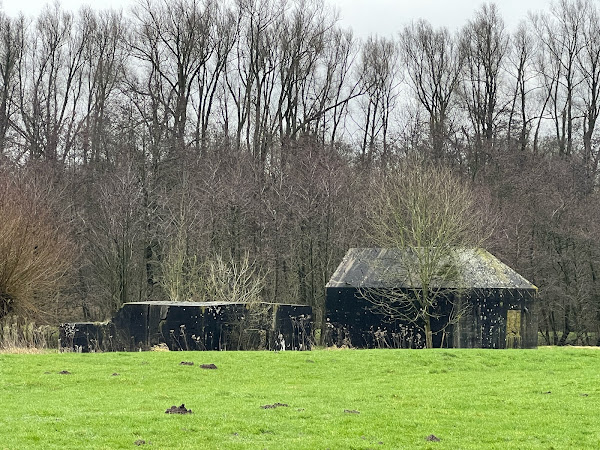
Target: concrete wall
195,326
495,318
498,319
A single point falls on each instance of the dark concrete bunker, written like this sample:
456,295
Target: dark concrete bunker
195,326
501,311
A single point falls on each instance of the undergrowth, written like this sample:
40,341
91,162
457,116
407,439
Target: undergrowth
19,335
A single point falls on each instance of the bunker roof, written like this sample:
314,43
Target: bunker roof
387,268
201,304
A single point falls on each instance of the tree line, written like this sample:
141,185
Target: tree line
196,149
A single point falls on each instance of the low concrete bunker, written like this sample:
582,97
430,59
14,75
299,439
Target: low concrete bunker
195,326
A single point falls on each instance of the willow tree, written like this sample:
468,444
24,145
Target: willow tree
426,215
35,253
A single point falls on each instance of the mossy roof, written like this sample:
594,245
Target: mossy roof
387,268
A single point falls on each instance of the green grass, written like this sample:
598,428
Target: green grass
545,398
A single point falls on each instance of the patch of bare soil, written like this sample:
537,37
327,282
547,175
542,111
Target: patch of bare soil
274,405
178,410
115,374
186,363
208,366
432,438
64,372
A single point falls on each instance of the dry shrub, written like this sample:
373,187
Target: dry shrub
35,253
162,347
22,350
232,281
18,335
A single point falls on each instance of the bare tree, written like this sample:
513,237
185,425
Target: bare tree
114,227
427,215
210,80
105,57
318,201
561,37
12,43
380,76
315,64
253,83
51,86
589,65
288,74
521,56
174,41
180,265
542,234
434,63
335,89
485,44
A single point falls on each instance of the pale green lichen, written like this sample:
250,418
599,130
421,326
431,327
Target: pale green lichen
364,267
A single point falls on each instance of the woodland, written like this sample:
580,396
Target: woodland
208,150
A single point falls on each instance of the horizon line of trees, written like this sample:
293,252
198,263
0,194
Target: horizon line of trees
192,136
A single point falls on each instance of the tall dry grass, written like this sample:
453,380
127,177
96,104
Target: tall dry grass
20,335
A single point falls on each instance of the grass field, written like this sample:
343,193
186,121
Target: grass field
338,399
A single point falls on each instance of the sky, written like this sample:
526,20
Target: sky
383,17
387,17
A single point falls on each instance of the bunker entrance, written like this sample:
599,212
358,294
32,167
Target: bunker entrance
513,328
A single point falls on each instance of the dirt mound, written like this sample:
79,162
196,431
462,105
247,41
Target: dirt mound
186,363
274,405
178,410
208,366
64,372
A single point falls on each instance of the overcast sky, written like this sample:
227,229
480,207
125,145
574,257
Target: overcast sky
389,16
384,17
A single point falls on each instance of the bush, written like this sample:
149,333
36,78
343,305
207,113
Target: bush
35,253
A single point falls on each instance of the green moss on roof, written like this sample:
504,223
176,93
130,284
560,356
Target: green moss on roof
371,267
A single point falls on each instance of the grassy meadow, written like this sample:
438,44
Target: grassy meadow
338,399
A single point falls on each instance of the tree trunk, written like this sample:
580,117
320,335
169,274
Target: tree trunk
428,333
